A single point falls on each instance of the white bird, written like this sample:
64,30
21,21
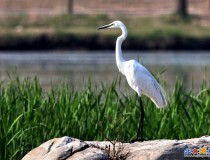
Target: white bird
138,77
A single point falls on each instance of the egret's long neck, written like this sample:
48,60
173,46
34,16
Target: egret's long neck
118,50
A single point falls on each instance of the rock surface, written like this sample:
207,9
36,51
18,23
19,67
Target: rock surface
67,148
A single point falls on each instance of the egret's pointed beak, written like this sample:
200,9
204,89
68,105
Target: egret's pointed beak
106,26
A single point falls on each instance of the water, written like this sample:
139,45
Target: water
54,68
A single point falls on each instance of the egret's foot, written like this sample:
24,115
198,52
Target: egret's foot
137,140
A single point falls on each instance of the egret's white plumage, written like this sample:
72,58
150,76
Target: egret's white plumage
138,77
141,81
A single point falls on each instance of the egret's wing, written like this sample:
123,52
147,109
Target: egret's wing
147,84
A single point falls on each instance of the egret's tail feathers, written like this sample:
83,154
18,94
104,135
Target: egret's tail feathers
157,95
160,104
160,100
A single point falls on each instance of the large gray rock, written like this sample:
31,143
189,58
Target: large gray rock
67,148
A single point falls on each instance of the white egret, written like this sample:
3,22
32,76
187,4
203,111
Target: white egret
138,77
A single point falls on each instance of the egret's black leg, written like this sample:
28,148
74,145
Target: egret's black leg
141,122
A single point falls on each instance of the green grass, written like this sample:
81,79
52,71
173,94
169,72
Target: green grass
29,116
163,26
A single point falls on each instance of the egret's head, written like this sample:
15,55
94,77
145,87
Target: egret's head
115,24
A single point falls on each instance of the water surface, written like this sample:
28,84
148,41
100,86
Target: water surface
76,67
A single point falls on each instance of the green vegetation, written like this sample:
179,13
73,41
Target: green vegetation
164,26
76,32
29,116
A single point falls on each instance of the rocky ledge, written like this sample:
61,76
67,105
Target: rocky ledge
67,148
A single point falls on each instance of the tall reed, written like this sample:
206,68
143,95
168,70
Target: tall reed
29,116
